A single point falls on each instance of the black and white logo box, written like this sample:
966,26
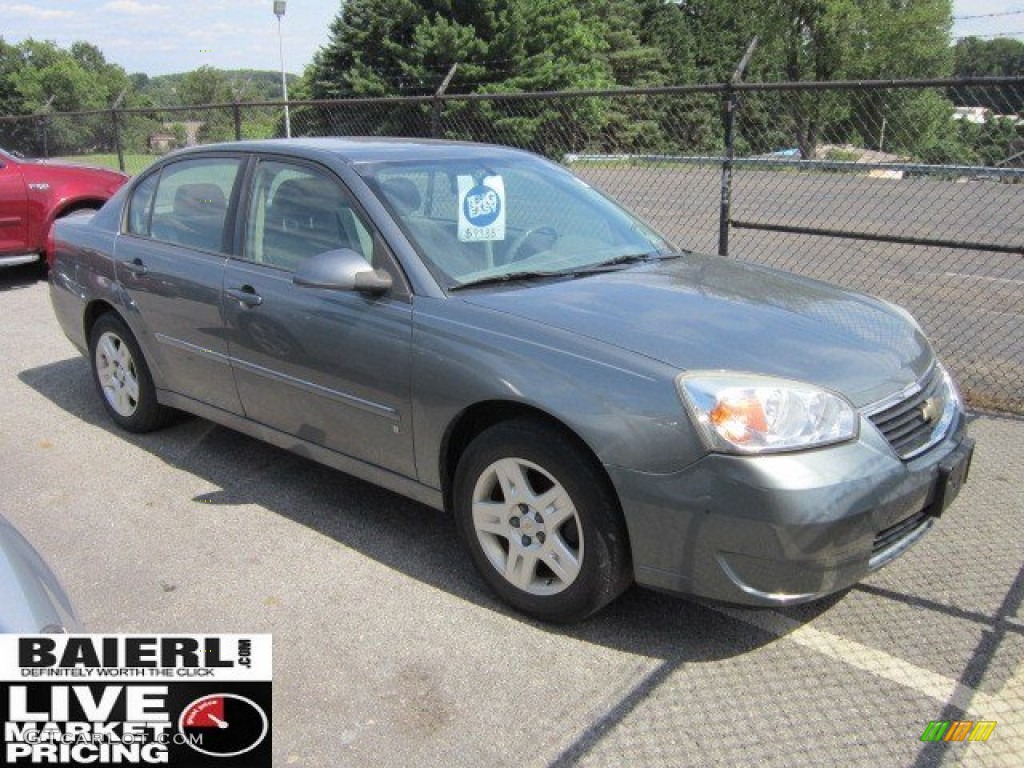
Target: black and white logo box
195,701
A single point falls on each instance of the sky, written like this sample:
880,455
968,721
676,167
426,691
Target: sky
159,37
1008,25
162,36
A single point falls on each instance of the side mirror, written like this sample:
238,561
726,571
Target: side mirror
341,270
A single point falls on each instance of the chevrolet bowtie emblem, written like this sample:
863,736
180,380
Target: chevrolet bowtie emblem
930,409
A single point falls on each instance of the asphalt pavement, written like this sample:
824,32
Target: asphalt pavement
389,651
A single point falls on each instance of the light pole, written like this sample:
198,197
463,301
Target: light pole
279,6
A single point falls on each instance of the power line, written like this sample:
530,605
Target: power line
988,15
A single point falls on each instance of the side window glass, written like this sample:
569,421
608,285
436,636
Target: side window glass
191,203
140,208
296,212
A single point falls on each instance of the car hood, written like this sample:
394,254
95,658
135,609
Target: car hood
31,598
707,313
53,170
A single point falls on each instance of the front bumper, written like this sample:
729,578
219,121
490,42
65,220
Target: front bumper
787,528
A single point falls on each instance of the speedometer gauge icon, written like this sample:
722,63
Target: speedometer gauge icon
223,724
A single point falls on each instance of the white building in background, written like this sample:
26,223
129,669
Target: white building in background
981,115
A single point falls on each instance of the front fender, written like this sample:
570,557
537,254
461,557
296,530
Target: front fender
623,406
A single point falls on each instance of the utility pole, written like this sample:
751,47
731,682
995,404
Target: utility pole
279,8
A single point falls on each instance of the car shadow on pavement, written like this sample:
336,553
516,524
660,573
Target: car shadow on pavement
397,532
21,276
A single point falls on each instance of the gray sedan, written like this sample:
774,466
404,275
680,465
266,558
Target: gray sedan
474,327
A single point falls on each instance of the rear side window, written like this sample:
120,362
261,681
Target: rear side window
186,204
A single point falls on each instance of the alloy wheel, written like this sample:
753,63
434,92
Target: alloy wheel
118,377
527,526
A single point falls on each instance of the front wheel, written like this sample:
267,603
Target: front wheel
541,521
122,377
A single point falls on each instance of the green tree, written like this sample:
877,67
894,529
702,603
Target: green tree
40,77
204,85
207,85
825,40
996,142
405,47
908,39
1001,57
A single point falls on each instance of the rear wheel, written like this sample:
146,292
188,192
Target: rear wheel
541,522
122,377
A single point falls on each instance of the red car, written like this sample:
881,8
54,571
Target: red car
35,192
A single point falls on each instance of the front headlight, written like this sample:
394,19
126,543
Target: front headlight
746,413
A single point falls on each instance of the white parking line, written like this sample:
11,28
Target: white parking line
1005,707
868,659
980,277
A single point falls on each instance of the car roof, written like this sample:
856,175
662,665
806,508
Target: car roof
366,149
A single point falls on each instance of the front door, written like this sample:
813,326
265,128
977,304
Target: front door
13,208
330,367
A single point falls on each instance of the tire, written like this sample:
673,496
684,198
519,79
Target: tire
122,377
541,521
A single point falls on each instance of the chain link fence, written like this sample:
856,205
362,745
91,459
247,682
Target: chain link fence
912,191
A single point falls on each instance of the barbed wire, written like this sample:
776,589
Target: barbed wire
990,35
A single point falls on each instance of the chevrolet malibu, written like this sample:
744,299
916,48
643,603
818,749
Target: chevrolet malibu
475,328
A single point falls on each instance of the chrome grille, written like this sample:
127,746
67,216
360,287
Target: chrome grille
905,424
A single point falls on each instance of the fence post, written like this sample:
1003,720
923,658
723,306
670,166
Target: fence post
44,131
725,201
44,125
115,113
729,105
236,111
435,107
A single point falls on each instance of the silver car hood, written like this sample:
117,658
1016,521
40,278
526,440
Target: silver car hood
706,313
31,598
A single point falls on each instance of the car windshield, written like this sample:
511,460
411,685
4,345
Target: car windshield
477,221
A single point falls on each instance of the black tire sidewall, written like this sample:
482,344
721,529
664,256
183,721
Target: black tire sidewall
604,572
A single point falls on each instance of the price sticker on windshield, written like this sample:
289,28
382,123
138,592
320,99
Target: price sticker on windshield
481,209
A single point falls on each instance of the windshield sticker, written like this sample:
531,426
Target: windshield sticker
481,209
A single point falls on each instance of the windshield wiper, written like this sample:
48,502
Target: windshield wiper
603,266
629,258
509,277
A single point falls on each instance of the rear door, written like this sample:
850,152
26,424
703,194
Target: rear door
170,261
330,367
13,208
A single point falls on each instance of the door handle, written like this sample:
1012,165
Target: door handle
246,295
136,267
